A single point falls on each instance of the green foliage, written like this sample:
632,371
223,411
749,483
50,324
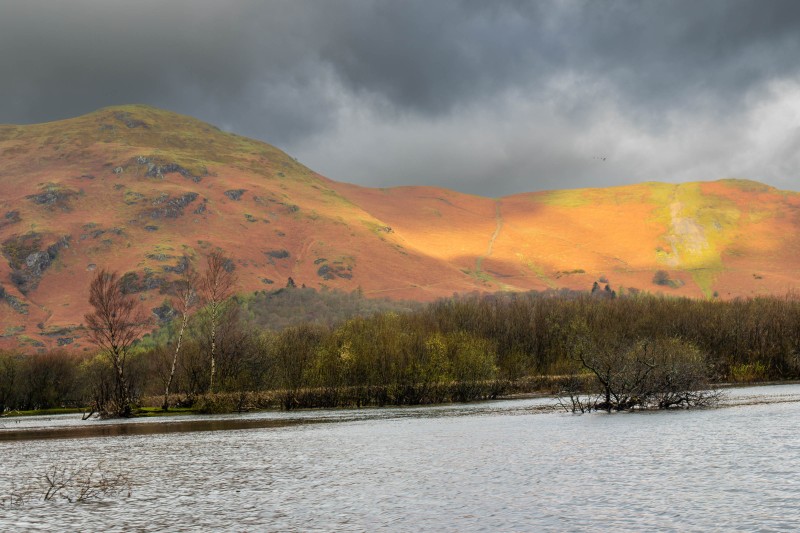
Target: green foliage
748,372
661,277
457,349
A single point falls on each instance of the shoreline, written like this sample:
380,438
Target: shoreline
197,422
147,411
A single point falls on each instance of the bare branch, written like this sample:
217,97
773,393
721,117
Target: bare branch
115,323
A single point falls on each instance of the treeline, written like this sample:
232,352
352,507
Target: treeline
457,349
41,381
291,306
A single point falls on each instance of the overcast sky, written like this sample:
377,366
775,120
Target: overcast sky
486,97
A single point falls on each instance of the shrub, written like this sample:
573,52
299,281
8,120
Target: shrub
661,277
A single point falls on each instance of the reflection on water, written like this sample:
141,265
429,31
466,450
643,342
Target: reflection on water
116,429
512,466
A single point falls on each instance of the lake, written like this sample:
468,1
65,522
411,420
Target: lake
515,465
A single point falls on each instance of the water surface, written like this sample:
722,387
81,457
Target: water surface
512,466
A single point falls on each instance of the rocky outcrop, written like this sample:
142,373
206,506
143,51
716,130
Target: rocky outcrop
277,254
129,121
157,169
132,283
164,313
93,232
335,270
171,207
160,257
15,303
12,217
28,261
235,194
179,268
133,197
53,195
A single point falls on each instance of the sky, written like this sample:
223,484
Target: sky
489,98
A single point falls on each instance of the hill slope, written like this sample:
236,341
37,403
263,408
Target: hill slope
135,189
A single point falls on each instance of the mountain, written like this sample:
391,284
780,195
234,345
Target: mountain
135,189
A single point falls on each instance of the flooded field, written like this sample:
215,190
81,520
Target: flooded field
516,465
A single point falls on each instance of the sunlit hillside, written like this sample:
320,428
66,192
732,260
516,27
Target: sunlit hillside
135,189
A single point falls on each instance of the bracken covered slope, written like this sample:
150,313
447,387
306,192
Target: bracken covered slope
136,189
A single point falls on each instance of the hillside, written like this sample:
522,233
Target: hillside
134,189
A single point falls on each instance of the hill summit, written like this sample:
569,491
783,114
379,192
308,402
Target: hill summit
142,191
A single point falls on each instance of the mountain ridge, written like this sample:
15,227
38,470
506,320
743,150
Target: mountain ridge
135,189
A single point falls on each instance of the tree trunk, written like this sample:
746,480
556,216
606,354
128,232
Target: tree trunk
213,346
165,407
123,396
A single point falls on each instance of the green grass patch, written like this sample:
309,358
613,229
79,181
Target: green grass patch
51,411
378,229
698,226
153,412
538,271
334,198
565,198
705,279
480,275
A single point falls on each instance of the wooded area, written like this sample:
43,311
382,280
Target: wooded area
457,349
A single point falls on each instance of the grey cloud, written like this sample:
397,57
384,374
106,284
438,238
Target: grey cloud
545,84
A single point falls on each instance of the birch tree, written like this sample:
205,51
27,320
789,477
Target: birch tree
217,285
185,300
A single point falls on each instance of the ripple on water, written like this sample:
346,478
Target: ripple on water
493,466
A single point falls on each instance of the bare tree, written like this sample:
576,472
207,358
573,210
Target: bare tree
622,372
185,300
681,377
83,483
116,322
75,483
572,396
641,374
217,285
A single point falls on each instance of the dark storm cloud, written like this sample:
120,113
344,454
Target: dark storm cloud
485,97
68,58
